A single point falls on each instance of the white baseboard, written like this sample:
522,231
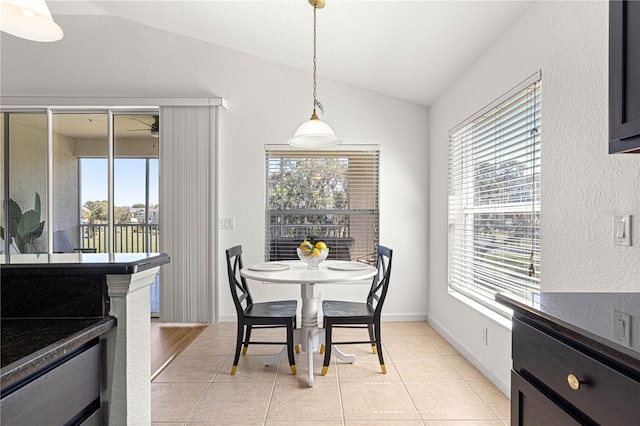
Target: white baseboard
505,388
227,318
385,317
404,317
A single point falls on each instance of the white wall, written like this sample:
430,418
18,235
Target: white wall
28,175
110,57
65,170
582,186
28,166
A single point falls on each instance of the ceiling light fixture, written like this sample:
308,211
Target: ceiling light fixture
29,19
314,133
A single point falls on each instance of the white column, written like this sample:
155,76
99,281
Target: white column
126,394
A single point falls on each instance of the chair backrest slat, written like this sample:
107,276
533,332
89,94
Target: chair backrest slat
380,284
239,290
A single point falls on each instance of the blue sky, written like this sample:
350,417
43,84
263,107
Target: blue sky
129,181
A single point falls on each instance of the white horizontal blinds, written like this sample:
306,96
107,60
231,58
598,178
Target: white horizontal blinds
325,194
494,199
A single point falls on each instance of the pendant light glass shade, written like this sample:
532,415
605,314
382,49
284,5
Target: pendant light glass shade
29,19
314,133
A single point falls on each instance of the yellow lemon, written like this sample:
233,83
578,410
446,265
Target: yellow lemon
320,245
306,246
315,252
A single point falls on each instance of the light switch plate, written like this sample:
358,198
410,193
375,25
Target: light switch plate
622,328
622,230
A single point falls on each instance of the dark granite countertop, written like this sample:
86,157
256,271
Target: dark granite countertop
85,263
54,303
27,345
587,318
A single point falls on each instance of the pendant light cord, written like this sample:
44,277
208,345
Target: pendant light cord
316,103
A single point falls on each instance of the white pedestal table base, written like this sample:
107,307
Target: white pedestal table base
309,336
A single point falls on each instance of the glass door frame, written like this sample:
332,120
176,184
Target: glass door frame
50,111
50,191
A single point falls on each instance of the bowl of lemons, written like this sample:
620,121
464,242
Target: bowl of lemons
312,253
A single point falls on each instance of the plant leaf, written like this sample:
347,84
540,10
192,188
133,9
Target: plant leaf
29,224
19,242
15,214
37,205
39,230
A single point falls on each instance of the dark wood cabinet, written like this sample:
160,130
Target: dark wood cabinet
65,392
543,362
530,406
624,76
569,368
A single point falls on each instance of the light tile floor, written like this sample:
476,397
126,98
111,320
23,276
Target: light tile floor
427,383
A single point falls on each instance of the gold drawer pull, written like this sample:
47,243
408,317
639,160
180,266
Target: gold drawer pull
573,381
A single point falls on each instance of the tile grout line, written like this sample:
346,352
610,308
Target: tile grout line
344,417
404,385
474,390
273,390
195,407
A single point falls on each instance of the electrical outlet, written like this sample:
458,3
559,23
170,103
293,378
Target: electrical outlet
484,335
227,223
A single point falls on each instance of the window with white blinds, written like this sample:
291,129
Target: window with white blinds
494,198
330,195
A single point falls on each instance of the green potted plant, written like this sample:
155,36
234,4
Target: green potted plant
24,228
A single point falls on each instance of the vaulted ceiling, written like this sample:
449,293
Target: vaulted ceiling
410,50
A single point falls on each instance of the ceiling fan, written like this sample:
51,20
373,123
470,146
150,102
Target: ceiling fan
153,128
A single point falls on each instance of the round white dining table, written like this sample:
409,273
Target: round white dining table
309,335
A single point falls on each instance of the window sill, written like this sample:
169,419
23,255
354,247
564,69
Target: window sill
489,313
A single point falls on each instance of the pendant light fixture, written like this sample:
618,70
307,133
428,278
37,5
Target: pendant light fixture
314,133
29,19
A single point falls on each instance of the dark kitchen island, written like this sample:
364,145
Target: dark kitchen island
75,337
576,359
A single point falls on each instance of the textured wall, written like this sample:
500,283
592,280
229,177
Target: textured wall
110,57
582,186
28,175
28,165
65,177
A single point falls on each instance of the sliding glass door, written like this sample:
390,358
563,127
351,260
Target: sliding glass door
80,181
24,181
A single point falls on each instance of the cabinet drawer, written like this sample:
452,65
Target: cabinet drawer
93,420
604,395
57,396
530,407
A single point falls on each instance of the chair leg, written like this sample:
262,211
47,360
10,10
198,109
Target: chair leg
371,337
247,338
379,345
292,359
238,346
327,347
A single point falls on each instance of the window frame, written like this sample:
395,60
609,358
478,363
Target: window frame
465,266
368,155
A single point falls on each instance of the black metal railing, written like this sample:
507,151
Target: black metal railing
305,230
129,238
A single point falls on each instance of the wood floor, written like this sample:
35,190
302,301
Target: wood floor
168,340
